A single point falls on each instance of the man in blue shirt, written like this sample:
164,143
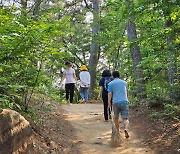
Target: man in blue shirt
117,92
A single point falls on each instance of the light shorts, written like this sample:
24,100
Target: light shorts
121,108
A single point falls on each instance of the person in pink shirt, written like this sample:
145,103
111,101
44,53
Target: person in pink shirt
70,76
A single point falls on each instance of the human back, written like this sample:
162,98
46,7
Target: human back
104,81
84,78
69,73
119,90
107,80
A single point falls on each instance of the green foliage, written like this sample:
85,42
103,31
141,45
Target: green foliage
151,20
155,115
32,114
171,111
29,49
34,47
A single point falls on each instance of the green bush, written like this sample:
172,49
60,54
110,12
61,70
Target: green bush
172,111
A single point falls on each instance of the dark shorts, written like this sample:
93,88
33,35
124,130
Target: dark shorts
121,108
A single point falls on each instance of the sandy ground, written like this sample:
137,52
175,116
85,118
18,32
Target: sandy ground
94,134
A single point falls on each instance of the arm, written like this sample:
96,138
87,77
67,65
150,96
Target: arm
100,92
127,89
89,80
64,76
109,99
74,75
101,83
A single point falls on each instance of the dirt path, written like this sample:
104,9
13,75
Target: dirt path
94,134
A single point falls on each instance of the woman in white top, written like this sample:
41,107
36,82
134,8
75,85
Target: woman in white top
70,76
84,83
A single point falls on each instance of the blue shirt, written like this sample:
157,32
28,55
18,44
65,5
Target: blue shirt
118,88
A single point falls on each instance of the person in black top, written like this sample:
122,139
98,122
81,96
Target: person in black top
103,83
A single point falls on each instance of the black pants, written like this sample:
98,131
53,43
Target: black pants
69,87
106,111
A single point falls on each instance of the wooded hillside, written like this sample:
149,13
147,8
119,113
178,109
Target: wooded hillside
139,38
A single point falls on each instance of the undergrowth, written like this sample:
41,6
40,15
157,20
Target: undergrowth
170,111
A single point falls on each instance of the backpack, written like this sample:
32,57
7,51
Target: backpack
106,82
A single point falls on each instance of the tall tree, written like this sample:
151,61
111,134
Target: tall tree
93,60
135,52
36,7
24,4
172,67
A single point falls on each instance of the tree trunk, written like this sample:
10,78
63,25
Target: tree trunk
172,60
136,58
135,53
24,4
36,7
172,68
93,60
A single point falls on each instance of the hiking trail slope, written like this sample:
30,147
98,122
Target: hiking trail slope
94,134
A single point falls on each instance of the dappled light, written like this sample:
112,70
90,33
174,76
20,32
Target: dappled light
95,134
66,65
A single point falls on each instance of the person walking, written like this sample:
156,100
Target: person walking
70,76
84,76
103,83
117,92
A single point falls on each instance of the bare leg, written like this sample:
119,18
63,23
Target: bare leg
126,126
116,121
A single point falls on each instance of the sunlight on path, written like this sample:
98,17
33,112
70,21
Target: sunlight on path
94,133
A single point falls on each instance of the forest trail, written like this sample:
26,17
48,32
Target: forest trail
94,134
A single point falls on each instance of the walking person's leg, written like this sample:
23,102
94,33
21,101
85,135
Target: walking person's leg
67,89
124,115
71,92
126,125
110,109
116,109
105,102
86,93
82,93
116,122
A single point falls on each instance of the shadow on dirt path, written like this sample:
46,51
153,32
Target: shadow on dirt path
94,134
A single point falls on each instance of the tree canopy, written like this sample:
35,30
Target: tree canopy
139,38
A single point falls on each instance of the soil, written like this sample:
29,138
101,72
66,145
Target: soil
80,129
162,135
53,134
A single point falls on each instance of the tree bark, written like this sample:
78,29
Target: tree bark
136,58
172,68
93,60
24,4
36,7
172,60
135,54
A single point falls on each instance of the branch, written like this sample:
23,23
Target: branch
87,4
36,80
77,57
